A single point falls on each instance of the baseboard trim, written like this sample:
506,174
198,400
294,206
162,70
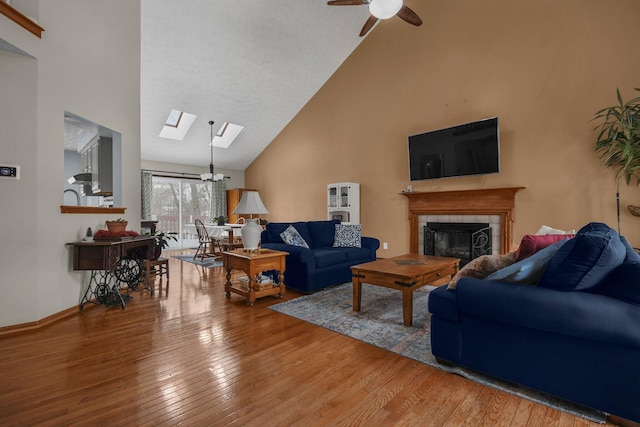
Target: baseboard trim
38,324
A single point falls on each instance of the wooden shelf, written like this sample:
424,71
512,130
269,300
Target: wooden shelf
90,210
20,19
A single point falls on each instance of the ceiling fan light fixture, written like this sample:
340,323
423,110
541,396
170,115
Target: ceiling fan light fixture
385,9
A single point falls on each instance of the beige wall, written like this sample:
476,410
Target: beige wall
544,67
88,63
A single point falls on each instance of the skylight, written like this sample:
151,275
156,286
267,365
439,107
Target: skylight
174,118
226,135
177,125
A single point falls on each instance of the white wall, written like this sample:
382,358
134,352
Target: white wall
87,62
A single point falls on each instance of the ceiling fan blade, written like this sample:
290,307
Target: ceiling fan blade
409,16
345,2
368,25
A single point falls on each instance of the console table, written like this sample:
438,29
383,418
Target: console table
112,263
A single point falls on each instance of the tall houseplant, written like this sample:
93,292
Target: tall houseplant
618,141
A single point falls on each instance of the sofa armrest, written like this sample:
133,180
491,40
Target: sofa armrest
571,313
370,243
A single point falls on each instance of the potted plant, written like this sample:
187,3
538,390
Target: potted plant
618,141
221,220
162,239
88,236
116,226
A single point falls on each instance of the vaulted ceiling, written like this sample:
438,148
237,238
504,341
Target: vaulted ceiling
255,63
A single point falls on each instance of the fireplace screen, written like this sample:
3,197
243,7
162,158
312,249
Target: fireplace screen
458,240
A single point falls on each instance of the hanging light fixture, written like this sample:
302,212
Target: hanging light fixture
209,176
385,9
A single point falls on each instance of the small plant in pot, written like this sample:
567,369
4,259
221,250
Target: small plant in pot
117,225
221,220
162,242
618,141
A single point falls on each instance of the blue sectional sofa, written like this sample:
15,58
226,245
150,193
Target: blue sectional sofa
321,265
575,335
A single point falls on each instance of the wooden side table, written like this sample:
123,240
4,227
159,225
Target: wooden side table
253,264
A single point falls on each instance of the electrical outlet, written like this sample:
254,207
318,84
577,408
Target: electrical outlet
385,245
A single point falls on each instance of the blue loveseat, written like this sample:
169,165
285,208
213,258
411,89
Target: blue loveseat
576,335
321,265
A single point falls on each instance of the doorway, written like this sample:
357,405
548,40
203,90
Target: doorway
176,203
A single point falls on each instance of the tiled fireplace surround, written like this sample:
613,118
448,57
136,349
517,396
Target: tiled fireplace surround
494,206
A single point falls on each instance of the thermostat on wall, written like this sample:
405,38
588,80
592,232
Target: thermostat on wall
10,171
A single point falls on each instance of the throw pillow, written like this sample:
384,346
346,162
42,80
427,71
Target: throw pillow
481,267
582,262
623,282
347,236
291,237
549,230
529,270
531,244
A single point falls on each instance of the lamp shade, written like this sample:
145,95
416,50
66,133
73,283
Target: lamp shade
250,203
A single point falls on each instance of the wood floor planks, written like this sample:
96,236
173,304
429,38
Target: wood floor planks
190,356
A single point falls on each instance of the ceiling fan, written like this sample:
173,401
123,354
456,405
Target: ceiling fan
381,9
211,176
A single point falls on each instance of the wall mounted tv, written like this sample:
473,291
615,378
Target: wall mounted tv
467,149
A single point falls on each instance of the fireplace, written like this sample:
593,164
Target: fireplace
458,240
492,201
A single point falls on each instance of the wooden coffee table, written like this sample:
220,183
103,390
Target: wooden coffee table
405,273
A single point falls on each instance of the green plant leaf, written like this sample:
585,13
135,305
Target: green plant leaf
618,138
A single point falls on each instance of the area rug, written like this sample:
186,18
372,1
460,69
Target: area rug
380,323
206,262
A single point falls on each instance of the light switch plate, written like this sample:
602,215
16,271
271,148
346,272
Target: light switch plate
9,171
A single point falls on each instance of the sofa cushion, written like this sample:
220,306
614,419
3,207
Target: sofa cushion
531,244
582,262
274,229
623,282
347,236
529,270
481,267
357,254
322,232
291,237
326,257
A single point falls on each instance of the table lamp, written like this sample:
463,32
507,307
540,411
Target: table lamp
251,204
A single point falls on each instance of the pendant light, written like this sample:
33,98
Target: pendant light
209,176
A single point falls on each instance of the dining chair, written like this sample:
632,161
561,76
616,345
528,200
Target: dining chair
206,244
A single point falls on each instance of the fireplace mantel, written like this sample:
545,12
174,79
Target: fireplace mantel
493,201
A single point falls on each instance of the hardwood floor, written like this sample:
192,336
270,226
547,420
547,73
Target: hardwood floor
190,356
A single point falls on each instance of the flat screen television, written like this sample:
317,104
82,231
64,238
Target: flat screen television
467,149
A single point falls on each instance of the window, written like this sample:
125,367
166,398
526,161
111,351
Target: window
177,203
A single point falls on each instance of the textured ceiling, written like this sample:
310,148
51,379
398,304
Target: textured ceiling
251,62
